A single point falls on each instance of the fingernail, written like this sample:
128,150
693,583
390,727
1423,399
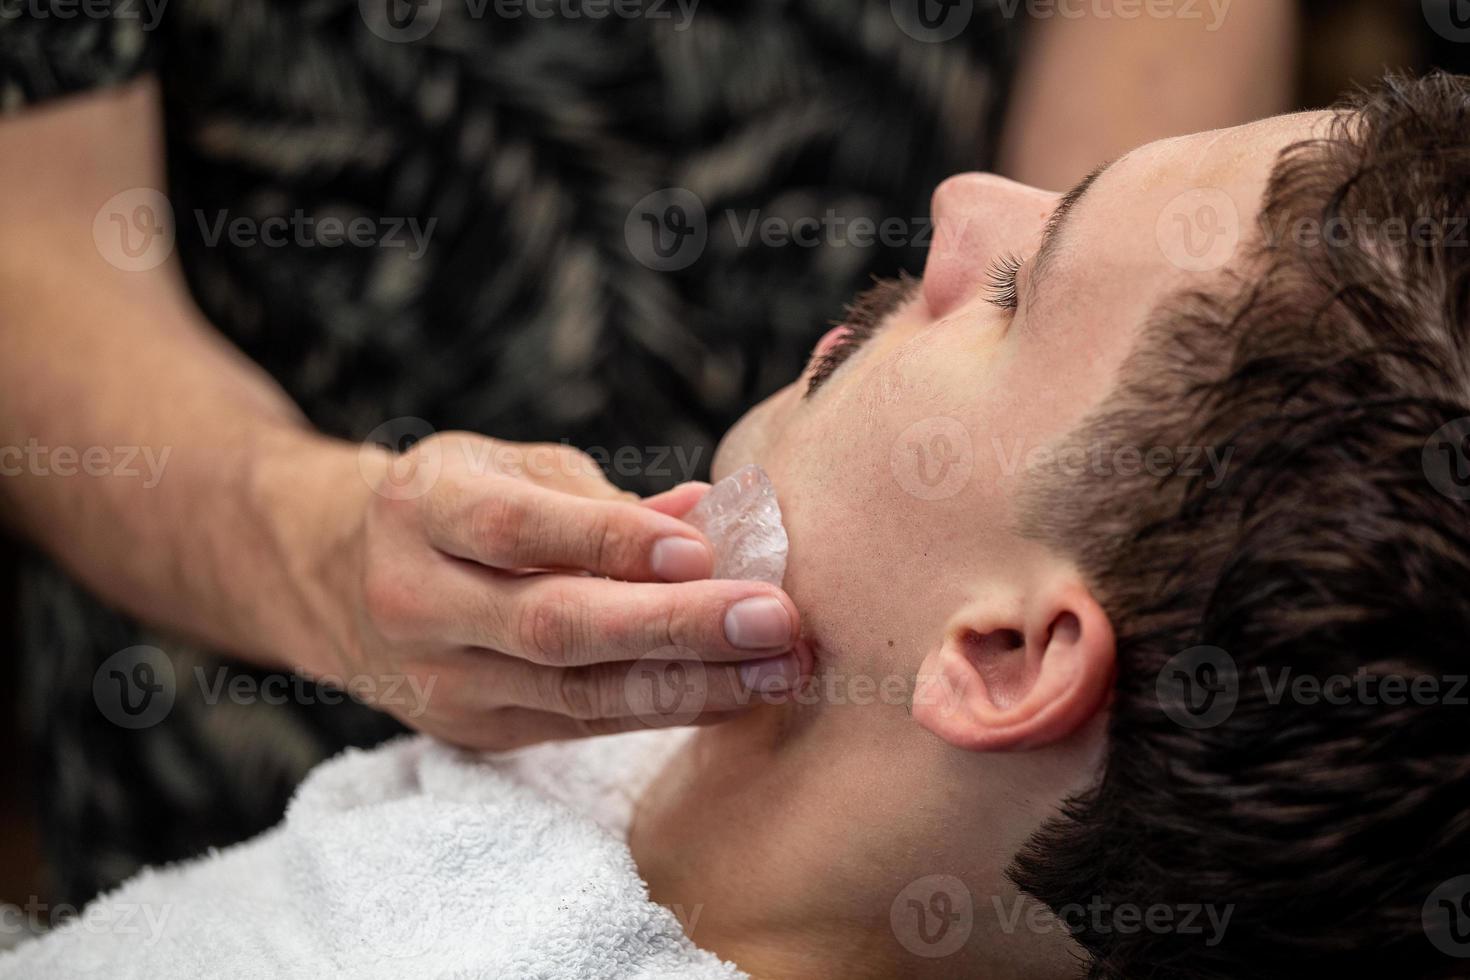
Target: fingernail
768,676
757,623
677,559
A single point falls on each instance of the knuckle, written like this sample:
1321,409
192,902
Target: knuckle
497,621
548,629
502,524
544,460
672,626
391,605
578,463
575,694
614,539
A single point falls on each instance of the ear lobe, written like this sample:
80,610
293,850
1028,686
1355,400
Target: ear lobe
1019,681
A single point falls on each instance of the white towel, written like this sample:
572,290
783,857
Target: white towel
411,860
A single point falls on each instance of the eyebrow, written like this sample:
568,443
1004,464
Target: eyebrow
1056,226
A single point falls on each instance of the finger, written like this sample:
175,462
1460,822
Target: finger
513,524
678,501
515,728
568,621
565,620
662,691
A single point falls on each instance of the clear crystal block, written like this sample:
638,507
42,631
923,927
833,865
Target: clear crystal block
742,520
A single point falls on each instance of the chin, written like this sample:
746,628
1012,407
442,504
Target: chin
748,440
728,456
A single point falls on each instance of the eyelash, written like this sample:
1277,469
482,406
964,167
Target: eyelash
1001,282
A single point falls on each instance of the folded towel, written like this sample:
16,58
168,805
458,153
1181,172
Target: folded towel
411,860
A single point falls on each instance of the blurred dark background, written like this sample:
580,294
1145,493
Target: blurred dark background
1344,42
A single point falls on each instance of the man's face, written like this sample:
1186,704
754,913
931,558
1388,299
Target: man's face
898,475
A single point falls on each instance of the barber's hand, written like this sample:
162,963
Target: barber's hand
532,600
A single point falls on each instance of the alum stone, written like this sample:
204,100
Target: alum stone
742,520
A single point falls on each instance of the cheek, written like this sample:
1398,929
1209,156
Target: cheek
887,491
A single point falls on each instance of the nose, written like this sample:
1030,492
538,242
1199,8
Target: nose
977,219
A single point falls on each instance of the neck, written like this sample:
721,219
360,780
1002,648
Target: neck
729,837
783,843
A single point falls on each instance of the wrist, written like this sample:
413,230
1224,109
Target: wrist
308,496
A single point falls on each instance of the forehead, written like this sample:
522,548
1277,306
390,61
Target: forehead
1170,212
1233,163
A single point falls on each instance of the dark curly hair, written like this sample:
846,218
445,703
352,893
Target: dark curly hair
1334,369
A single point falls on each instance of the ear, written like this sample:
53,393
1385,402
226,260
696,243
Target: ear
1019,677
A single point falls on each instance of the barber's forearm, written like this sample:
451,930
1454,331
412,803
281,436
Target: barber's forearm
161,467
1095,83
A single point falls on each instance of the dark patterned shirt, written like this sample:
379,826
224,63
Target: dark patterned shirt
616,231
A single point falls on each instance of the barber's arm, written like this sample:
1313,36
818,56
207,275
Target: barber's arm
211,507
1099,77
